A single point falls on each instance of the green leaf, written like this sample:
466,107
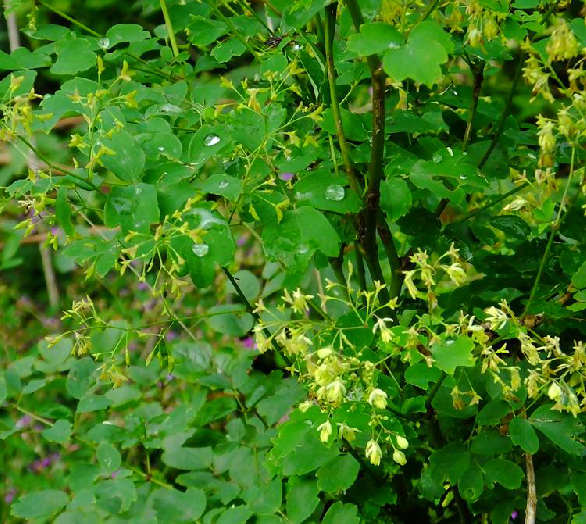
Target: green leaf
450,463
266,498
41,504
374,38
108,457
223,185
395,198
490,442
471,483
316,188
338,474
505,472
188,458
453,352
203,31
493,412
420,58
125,33
560,428
73,57
173,506
63,211
308,455
421,375
302,499
340,513
579,277
59,432
236,515
227,50
91,403
128,160
230,323
523,435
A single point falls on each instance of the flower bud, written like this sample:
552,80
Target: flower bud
402,442
399,457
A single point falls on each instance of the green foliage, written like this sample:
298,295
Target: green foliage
301,262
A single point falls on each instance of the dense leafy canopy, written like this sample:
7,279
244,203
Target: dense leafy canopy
300,261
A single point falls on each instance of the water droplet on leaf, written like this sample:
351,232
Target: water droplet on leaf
223,184
161,148
303,249
463,177
104,43
211,140
437,158
394,45
201,250
335,192
138,190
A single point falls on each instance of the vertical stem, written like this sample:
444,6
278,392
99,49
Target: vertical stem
330,25
530,510
478,77
33,164
501,123
169,26
554,230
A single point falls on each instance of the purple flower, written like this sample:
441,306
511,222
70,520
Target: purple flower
46,462
10,494
142,286
515,514
286,176
23,422
248,343
171,335
241,240
170,377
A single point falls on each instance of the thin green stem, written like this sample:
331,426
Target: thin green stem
169,25
360,267
554,230
330,24
478,77
494,202
501,123
255,315
70,19
53,166
393,257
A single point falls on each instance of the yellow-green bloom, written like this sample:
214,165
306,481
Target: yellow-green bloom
325,430
373,452
378,398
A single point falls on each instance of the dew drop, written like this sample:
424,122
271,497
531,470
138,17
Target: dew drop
161,148
296,47
104,43
303,249
201,250
138,190
437,158
223,184
394,45
335,192
170,108
463,177
211,140
449,342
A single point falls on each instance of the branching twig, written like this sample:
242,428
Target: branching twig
531,491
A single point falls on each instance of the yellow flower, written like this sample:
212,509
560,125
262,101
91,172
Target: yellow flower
373,452
399,457
346,432
335,391
325,430
298,300
378,398
402,442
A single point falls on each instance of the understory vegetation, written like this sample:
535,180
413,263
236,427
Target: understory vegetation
293,261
